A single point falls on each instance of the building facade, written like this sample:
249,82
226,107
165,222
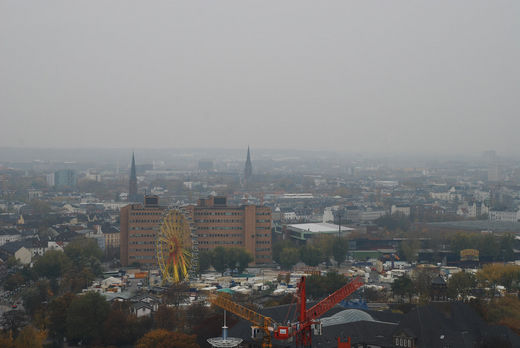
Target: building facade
246,226
65,178
214,223
139,225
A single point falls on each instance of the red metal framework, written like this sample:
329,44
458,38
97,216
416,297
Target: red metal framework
302,329
306,318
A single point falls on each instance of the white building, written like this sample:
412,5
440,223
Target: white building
9,235
307,231
402,209
509,216
49,178
371,215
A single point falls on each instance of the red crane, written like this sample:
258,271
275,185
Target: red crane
307,318
302,330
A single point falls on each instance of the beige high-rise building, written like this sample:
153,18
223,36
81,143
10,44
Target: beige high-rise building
139,225
246,226
214,223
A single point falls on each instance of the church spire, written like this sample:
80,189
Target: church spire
248,170
132,190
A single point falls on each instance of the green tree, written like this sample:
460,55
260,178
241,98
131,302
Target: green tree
39,207
58,309
311,255
403,286
318,286
85,253
460,284
52,264
204,261
36,296
289,257
85,318
277,248
489,248
325,244
507,242
220,259
394,222
422,281
240,258
408,250
339,250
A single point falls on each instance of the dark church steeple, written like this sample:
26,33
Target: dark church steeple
248,170
132,190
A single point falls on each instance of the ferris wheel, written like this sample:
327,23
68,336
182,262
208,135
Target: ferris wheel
174,247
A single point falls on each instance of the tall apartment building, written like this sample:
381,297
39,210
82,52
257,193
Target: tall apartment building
65,178
246,226
139,225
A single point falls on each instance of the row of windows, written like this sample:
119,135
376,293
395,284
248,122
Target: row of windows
227,221
145,249
263,228
220,242
263,242
141,242
139,228
263,256
147,235
403,342
263,220
218,213
145,221
219,228
142,257
262,235
216,235
263,249
146,213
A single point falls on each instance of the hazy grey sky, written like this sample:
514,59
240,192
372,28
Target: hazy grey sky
377,76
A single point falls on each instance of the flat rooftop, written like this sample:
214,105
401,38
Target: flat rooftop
320,227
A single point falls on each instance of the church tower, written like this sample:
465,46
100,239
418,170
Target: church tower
132,189
248,170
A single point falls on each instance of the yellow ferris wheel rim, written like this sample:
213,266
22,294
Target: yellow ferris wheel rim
174,247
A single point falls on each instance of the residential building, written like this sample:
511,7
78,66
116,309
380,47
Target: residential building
65,178
506,215
18,250
246,226
9,235
402,209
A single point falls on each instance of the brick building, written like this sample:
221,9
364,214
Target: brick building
139,224
246,226
214,222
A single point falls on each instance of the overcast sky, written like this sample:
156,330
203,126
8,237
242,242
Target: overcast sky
374,76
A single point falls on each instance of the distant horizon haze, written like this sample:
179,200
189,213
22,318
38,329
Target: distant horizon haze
408,78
